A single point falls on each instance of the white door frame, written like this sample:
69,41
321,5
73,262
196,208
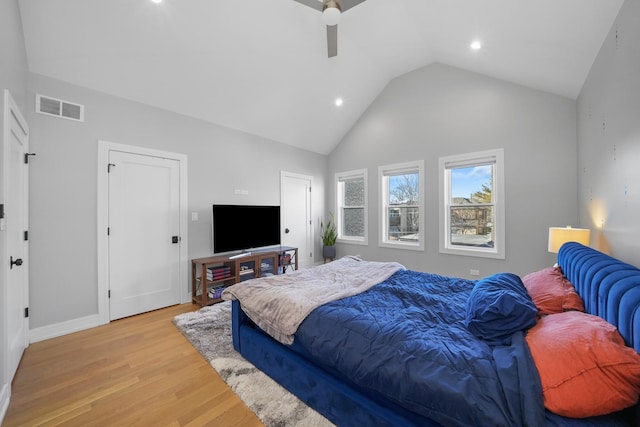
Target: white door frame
103,216
283,175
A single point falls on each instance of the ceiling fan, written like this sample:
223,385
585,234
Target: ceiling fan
331,11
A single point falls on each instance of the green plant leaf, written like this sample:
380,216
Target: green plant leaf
328,233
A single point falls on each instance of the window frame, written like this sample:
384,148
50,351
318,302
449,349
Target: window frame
496,159
339,217
383,193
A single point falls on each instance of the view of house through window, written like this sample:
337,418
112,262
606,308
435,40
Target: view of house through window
402,205
351,200
471,206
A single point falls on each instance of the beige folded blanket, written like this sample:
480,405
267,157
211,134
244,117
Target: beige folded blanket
278,304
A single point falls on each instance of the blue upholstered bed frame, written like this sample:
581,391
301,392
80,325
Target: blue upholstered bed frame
610,289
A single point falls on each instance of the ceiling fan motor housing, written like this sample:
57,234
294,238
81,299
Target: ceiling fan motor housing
331,12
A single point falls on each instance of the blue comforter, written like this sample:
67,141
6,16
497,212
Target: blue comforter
406,340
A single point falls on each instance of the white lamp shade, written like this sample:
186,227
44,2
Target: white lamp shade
561,235
331,16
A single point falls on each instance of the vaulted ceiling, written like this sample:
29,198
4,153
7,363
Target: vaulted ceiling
261,66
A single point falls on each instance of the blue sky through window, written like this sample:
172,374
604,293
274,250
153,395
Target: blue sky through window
466,181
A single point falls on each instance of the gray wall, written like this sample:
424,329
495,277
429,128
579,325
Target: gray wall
64,182
13,57
609,141
440,111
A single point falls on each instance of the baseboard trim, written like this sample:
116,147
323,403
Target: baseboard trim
64,328
5,397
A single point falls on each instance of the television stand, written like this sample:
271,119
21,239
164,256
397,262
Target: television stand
222,271
244,254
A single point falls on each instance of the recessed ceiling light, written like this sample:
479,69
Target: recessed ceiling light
339,102
476,45
156,1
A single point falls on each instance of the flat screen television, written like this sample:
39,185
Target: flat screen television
244,227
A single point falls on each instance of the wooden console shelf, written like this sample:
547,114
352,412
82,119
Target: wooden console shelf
220,271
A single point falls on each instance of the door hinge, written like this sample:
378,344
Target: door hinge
108,231
109,293
26,312
2,211
109,165
26,157
26,235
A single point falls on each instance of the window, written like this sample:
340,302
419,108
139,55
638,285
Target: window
472,204
351,219
402,205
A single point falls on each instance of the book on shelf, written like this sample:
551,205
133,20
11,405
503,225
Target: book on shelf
218,273
247,271
216,293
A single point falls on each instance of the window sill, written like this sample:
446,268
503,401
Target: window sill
473,252
354,241
406,246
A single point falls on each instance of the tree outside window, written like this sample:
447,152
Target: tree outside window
402,205
403,210
472,204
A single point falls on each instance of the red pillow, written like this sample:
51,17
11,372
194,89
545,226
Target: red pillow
552,292
584,366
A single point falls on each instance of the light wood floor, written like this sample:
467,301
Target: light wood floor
135,371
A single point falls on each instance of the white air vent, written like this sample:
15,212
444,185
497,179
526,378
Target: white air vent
59,108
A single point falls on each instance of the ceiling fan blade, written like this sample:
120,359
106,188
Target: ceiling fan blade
314,4
348,4
332,40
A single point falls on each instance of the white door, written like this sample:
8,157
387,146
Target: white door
144,233
296,215
16,144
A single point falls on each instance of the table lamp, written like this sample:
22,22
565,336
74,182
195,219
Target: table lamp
560,235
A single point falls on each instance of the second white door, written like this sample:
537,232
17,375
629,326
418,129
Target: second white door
296,215
144,236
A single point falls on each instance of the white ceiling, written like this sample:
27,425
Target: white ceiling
261,66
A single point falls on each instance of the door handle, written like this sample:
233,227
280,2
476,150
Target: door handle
175,239
12,262
286,231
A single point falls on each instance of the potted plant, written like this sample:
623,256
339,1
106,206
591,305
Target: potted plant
328,235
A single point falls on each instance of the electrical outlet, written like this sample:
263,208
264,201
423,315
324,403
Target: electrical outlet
474,272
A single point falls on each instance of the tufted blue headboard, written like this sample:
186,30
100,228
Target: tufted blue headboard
609,287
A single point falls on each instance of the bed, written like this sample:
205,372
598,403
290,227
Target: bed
417,349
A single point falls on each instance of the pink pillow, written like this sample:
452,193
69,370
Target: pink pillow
584,366
551,292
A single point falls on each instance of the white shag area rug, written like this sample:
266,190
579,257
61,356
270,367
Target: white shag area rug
209,331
